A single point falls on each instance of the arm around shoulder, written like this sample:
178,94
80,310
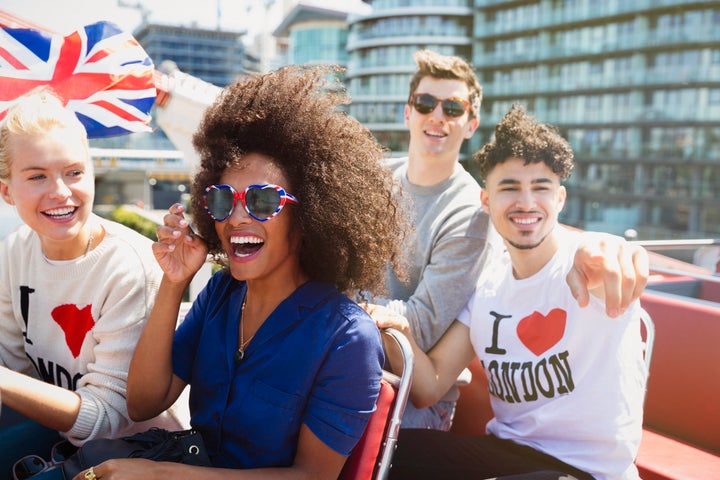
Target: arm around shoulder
436,371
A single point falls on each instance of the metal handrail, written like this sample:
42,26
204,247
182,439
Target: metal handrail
683,273
682,244
403,393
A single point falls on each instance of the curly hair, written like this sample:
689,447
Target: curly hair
433,64
350,216
520,135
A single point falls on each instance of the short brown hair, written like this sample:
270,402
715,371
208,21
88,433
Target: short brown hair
433,64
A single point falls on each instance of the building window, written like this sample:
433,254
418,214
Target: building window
716,56
714,96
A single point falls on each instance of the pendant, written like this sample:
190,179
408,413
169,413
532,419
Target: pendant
239,356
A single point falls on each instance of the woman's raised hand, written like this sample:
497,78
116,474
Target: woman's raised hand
179,251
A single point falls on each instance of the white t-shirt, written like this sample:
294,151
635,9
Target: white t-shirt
565,380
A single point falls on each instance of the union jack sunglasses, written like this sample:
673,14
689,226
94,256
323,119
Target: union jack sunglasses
261,202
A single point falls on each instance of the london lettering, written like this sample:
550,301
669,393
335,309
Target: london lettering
25,292
516,382
56,374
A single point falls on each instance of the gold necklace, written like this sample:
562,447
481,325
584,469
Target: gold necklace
240,354
90,242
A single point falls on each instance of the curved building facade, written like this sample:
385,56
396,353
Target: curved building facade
317,34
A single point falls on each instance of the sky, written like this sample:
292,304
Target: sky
64,16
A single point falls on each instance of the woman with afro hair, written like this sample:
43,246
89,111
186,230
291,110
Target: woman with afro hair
293,196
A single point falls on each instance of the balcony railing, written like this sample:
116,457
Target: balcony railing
582,12
534,50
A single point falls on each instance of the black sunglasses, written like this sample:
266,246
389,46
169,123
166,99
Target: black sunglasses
425,103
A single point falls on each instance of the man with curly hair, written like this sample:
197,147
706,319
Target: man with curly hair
566,378
451,229
294,198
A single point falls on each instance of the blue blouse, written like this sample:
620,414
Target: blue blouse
316,360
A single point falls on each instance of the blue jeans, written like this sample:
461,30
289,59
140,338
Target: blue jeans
20,436
424,454
435,417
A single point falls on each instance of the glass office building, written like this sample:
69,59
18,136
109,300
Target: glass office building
215,56
634,85
315,34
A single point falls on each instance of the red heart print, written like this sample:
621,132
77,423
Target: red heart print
75,322
539,332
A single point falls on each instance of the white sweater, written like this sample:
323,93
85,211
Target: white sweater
76,324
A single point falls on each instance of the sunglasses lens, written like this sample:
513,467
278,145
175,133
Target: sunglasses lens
220,202
61,451
425,103
262,202
453,108
28,466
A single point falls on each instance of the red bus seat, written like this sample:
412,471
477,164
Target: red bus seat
372,456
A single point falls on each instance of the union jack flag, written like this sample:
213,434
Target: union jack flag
99,71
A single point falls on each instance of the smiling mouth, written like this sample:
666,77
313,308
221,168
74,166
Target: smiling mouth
244,246
435,134
526,221
60,213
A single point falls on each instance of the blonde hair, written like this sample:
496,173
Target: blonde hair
36,113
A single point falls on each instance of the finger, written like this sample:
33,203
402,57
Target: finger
89,474
628,275
641,261
175,216
177,226
612,282
190,235
177,209
577,282
161,248
166,233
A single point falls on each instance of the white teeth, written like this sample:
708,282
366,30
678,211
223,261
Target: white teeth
58,212
238,239
525,221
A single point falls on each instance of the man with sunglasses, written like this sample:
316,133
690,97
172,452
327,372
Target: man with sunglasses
450,227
